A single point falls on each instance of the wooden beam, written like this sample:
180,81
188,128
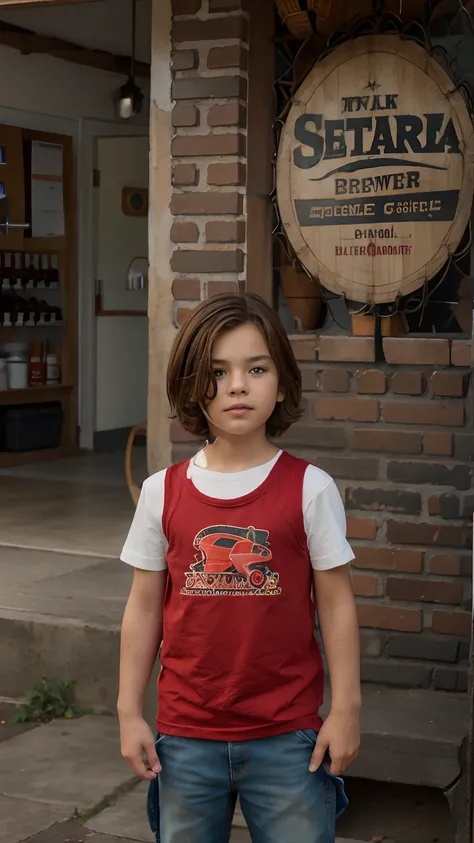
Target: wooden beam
25,4
160,277
29,42
260,116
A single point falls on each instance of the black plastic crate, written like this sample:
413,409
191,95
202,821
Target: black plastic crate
31,427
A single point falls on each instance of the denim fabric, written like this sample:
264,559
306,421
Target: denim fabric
193,799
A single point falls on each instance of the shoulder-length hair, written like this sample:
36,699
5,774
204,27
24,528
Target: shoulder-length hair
191,382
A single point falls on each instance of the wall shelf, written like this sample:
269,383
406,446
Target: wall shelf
34,395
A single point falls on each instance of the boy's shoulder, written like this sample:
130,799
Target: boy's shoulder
316,480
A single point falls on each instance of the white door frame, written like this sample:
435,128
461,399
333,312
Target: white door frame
89,132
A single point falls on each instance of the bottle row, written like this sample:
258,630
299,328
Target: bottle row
21,271
18,311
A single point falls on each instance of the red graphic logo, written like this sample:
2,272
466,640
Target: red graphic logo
232,561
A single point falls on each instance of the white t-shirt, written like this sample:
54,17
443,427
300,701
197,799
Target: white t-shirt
323,511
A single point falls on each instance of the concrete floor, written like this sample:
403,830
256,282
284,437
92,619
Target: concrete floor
78,505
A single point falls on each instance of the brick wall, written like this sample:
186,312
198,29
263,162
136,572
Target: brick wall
209,88
398,438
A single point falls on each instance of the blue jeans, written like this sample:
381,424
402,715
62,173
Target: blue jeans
193,799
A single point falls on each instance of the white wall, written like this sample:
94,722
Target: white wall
122,162
40,83
122,374
122,341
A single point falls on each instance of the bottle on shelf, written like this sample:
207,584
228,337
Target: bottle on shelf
36,364
52,366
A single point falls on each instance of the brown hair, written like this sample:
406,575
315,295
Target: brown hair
190,378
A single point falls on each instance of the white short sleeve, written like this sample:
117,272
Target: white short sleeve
325,521
146,546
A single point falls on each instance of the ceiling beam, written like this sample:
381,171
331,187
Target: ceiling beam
29,42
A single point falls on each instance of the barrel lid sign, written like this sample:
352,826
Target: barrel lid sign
375,169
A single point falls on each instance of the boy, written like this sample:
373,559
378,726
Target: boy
228,550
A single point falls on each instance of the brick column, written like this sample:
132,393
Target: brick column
209,91
398,437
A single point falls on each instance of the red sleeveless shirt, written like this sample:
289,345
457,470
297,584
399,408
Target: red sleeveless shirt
239,658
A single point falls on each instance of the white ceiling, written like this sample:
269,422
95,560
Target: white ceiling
102,24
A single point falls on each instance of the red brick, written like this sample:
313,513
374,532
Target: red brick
234,173
347,349
182,315
225,231
411,532
347,409
434,413
233,113
361,528
185,7
179,434
407,383
215,288
184,115
447,384
438,443
308,378
389,559
184,60
304,348
449,566
452,623
381,616
424,590
234,55
185,146
195,203
371,382
191,260
184,232
185,174
218,29
334,380
344,468
209,87
389,441
316,436
186,289
409,351
365,585
461,353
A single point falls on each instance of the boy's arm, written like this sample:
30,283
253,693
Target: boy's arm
142,629
340,633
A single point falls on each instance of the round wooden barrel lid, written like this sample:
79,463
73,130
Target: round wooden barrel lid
375,169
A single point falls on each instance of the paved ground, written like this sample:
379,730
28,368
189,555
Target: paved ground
66,783
78,505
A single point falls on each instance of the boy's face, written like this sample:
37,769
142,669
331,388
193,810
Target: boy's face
247,382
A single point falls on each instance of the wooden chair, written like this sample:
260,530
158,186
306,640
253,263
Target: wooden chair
138,430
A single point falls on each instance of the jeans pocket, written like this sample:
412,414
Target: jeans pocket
307,735
153,808
338,783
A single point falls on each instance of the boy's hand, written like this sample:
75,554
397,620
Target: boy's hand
138,744
340,738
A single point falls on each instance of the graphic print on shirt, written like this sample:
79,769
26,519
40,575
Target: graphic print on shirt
232,561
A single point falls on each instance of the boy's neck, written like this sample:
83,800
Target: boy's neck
238,453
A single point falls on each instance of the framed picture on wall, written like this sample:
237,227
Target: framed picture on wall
135,201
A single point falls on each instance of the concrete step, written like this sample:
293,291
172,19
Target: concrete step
60,617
